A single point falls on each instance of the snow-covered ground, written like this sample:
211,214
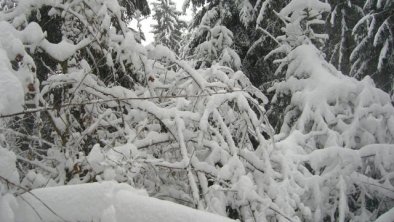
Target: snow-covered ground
104,202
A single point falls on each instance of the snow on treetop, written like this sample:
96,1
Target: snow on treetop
297,9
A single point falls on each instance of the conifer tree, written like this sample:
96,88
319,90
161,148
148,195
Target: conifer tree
219,32
132,6
343,17
168,30
333,118
267,25
249,23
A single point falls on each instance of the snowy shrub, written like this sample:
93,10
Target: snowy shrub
174,138
184,135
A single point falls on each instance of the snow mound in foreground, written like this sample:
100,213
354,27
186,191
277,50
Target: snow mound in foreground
104,202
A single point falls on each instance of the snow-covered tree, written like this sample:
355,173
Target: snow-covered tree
365,27
262,41
212,42
337,130
169,27
301,20
68,40
334,134
178,134
373,34
132,7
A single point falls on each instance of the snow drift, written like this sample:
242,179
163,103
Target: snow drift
105,202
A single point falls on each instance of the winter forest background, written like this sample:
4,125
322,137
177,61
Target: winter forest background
256,110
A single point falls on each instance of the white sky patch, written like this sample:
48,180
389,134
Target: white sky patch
148,21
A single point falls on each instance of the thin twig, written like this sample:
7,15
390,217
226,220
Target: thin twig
41,109
34,209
